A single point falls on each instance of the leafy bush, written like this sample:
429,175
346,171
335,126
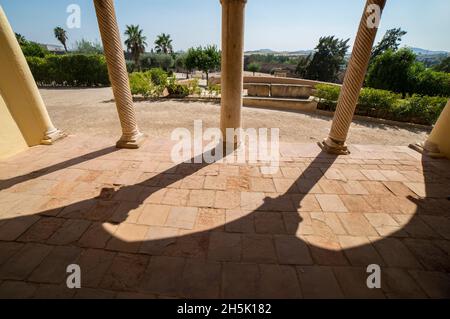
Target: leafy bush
432,83
420,109
158,76
149,84
177,90
375,102
33,49
385,104
70,70
328,95
140,84
214,90
194,87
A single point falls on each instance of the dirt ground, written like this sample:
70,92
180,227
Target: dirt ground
92,111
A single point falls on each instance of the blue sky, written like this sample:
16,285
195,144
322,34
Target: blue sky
275,24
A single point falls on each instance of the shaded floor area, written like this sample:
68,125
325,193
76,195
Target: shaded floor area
141,226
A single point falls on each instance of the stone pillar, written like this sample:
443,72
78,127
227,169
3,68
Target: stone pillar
438,143
354,78
233,17
20,92
112,45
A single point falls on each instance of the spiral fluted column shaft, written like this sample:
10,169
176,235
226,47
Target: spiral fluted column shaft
118,74
355,74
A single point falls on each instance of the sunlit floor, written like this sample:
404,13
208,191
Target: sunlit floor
140,226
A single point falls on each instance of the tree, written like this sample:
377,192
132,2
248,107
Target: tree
390,41
180,63
61,36
254,67
191,60
86,47
393,71
208,59
302,65
328,59
444,66
163,44
135,43
21,39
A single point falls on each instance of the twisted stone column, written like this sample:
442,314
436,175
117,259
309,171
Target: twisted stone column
112,45
20,92
233,17
354,79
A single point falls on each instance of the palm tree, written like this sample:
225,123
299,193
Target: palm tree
61,35
163,44
21,39
135,43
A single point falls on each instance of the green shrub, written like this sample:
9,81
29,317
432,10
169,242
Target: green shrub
33,49
388,105
70,70
194,87
328,95
375,102
158,76
432,83
419,109
140,84
177,90
214,90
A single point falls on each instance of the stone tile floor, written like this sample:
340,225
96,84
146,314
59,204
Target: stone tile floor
141,226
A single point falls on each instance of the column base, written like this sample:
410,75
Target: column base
52,136
334,147
131,143
427,148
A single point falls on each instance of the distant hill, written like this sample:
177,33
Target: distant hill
420,51
286,53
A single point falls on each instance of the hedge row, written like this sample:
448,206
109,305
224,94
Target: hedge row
387,105
69,70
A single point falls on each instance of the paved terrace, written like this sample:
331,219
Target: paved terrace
141,226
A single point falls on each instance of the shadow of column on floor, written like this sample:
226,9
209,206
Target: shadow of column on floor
236,260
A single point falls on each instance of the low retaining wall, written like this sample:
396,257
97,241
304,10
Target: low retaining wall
307,105
274,80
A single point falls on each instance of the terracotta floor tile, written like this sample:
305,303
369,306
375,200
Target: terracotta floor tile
225,247
240,280
278,282
127,238
19,266
318,282
154,215
125,273
195,274
182,217
357,225
201,198
331,203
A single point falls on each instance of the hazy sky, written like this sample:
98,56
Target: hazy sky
275,24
